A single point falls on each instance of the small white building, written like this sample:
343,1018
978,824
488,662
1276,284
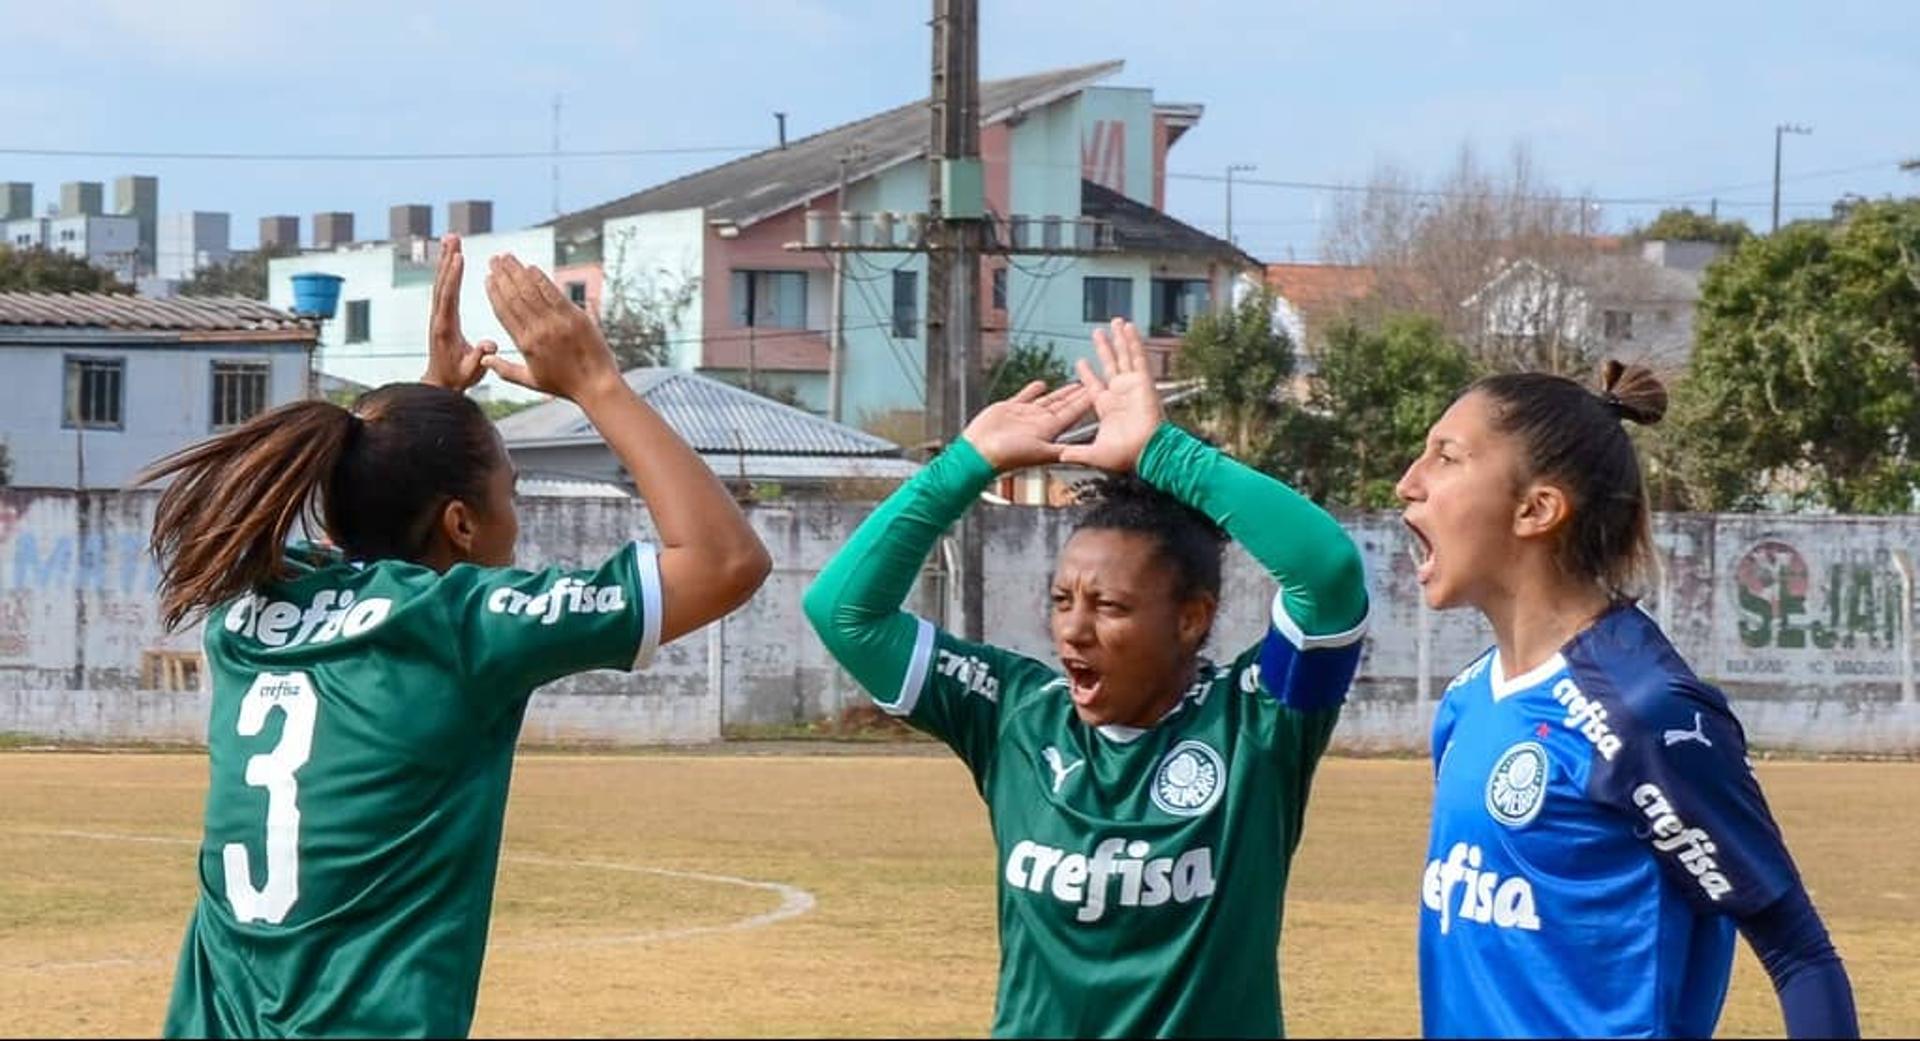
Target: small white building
99,385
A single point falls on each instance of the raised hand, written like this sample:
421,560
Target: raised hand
1123,396
1019,431
566,355
452,362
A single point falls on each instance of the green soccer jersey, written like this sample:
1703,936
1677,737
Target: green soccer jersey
361,741
1140,871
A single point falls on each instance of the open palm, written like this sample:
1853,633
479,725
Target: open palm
452,362
1018,431
1124,398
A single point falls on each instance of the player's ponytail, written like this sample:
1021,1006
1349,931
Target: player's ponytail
376,477
221,526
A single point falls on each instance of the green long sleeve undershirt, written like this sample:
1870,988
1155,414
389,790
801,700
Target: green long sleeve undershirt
855,603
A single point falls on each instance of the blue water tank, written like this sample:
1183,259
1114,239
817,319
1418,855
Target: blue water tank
316,295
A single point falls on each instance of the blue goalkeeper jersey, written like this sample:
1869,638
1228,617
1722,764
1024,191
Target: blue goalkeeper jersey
1597,830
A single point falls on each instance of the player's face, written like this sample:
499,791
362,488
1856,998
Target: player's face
1461,495
1126,643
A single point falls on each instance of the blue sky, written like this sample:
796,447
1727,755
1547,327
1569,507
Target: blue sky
1625,100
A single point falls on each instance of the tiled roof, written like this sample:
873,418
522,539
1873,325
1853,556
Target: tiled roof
760,185
713,417
126,313
1138,228
1318,288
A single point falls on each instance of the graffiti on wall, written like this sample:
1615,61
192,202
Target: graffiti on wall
1835,615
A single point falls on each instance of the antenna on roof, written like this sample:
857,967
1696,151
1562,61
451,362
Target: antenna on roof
781,118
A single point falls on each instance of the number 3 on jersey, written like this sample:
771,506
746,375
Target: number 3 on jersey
293,695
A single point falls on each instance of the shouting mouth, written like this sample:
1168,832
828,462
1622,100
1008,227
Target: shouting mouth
1084,681
1420,549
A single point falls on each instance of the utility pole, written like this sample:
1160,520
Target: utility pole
1233,168
837,317
956,205
1779,130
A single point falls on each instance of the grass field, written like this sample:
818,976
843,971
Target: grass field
627,901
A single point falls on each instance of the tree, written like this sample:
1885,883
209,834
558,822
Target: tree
39,270
1022,364
1243,362
1684,225
1369,406
639,312
6,465
1436,250
243,274
1804,387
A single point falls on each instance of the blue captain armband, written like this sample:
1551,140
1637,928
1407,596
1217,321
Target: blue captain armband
1308,673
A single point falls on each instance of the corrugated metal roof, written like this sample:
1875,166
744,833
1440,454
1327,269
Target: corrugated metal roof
765,183
184,314
712,416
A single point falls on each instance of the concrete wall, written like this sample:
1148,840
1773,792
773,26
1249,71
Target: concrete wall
166,403
1808,623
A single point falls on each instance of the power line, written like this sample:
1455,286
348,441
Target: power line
375,157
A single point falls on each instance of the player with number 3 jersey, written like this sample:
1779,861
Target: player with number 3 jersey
367,695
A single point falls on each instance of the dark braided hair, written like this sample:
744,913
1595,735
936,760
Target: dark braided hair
1185,538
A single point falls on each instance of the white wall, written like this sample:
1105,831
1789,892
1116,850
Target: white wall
399,294
662,249
167,402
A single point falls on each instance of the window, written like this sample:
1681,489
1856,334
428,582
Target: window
1176,303
906,304
1617,325
94,393
178,671
239,392
1105,298
770,299
359,321
999,289
577,292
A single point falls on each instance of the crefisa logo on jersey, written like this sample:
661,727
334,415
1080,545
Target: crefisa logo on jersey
1189,780
1485,897
1517,787
1693,847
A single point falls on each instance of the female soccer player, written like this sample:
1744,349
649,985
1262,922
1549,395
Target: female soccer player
1145,802
366,699
1597,831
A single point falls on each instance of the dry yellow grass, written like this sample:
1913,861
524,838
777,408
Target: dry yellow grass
892,846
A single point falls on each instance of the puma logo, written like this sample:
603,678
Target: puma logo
1061,768
1698,733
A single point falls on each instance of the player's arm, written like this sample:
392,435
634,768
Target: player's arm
1681,775
710,559
513,630
909,667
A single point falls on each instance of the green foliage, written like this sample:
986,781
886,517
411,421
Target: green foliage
500,408
640,312
1684,225
244,274
1022,364
1804,388
6,465
1244,365
1375,394
40,270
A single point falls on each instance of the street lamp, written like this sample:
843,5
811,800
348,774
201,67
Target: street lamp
1233,168
1778,130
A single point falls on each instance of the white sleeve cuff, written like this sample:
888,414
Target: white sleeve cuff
916,676
646,561
1284,624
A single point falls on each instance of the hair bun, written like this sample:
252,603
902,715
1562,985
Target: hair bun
1632,392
